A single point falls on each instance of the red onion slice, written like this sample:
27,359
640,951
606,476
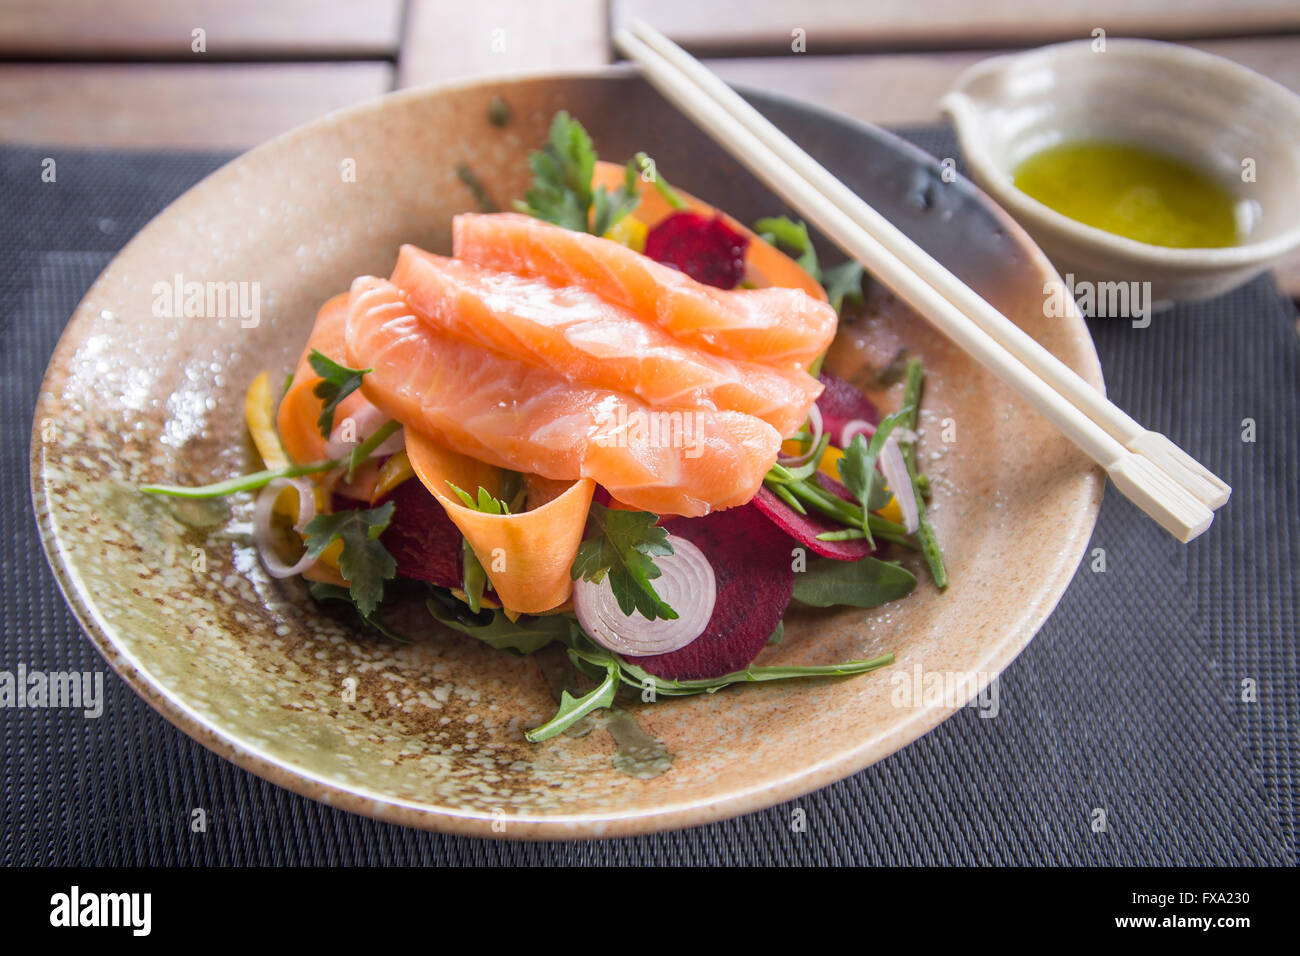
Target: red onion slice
687,585
894,468
815,428
262,533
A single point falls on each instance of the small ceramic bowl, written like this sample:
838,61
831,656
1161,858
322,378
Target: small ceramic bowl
1229,121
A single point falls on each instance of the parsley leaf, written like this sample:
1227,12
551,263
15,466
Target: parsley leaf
337,383
857,468
364,561
561,192
622,544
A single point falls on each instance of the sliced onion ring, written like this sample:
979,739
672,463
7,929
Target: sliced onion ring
815,428
851,429
686,584
894,468
262,533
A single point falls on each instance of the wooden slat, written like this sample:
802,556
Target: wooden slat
764,26
235,29
904,88
228,106
449,40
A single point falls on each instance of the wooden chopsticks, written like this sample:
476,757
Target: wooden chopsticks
1149,469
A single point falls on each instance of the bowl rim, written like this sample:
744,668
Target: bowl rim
386,808
957,105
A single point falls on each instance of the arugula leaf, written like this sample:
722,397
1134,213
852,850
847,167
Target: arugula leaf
622,544
586,651
572,709
842,282
322,591
523,636
857,468
869,582
784,231
364,561
337,383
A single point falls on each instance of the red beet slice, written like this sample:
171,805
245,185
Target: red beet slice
421,538
841,403
704,247
752,563
805,528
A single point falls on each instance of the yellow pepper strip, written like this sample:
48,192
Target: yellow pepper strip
628,231
260,416
891,511
395,470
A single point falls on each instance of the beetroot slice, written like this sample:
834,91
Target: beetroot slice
752,564
841,403
805,528
704,247
421,538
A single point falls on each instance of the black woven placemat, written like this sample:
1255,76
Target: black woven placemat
1129,701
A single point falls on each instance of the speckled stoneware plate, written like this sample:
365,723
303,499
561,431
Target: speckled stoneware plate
430,734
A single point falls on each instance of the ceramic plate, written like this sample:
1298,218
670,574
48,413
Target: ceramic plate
430,734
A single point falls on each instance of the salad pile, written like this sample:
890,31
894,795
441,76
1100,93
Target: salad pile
603,423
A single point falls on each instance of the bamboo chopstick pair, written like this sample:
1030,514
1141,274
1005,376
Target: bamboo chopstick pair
1148,469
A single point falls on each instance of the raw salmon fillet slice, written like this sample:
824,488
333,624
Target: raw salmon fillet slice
588,340
774,326
300,407
533,420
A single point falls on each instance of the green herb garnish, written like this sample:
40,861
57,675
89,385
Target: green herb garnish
258,479
784,231
857,468
525,635
364,561
623,544
869,582
925,530
572,710
323,591
337,383
562,172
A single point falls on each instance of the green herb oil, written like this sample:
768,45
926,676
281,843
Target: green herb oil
1133,192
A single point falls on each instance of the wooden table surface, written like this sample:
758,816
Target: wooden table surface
229,74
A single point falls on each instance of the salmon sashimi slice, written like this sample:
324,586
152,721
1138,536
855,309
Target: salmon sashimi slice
774,326
533,420
588,340
296,419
